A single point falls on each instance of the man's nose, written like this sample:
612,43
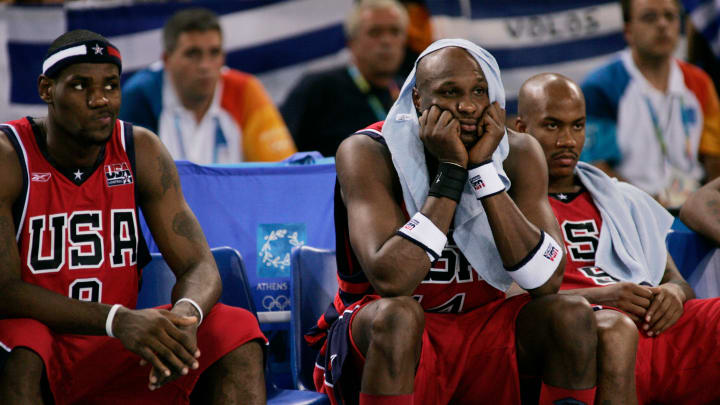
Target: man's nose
565,138
97,98
466,105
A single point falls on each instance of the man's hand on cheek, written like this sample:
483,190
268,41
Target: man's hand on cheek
491,129
440,133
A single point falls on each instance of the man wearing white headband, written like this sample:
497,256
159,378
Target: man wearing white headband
71,256
430,233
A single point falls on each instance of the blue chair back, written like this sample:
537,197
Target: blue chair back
313,287
687,247
158,280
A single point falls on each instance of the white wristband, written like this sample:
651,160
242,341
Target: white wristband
485,180
193,303
422,231
110,318
539,264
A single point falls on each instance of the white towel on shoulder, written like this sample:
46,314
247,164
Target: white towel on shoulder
634,228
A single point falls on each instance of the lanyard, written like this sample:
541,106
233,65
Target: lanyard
364,88
219,140
660,133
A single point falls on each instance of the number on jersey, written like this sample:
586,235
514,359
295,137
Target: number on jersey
597,275
582,238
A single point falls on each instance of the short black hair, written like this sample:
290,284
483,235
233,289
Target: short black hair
189,19
73,37
626,6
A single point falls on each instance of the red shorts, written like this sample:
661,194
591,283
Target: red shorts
682,364
466,358
99,370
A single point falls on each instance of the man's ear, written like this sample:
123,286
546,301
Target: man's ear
627,34
520,125
416,99
46,89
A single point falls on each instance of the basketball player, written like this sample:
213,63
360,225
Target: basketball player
615,238
413,321
71,254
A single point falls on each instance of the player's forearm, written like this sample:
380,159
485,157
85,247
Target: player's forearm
522,246
202,284
701,212
514,235
401,264
60,313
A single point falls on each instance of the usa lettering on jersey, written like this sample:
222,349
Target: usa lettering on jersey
78,239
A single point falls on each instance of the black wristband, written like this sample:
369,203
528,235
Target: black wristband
449,182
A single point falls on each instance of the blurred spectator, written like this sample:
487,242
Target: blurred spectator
202,111
326,107
652,119
419,34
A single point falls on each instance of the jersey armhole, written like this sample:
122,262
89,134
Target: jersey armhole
18,207
143,251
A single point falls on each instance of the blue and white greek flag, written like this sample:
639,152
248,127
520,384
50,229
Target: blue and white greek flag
278,40
527,37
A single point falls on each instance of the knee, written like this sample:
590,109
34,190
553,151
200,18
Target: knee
23,371
573,319
617,334
398,319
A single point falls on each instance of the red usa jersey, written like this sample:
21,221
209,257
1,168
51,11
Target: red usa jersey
580,222
77,229
451,285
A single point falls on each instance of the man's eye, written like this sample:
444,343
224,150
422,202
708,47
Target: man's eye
78,86
551,125
580,126
481,91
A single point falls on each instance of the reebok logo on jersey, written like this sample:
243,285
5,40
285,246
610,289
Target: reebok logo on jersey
551,253
40,177
117,174
477,182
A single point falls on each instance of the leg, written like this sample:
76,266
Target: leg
617,346
556,337
388,333
236,378
21,380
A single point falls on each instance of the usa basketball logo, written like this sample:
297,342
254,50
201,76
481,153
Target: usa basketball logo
411,224
477,182
551,253
117,174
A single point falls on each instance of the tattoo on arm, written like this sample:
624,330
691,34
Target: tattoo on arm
186,226
714,206
167,179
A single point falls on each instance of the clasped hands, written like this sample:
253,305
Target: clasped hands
162,338
653,309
